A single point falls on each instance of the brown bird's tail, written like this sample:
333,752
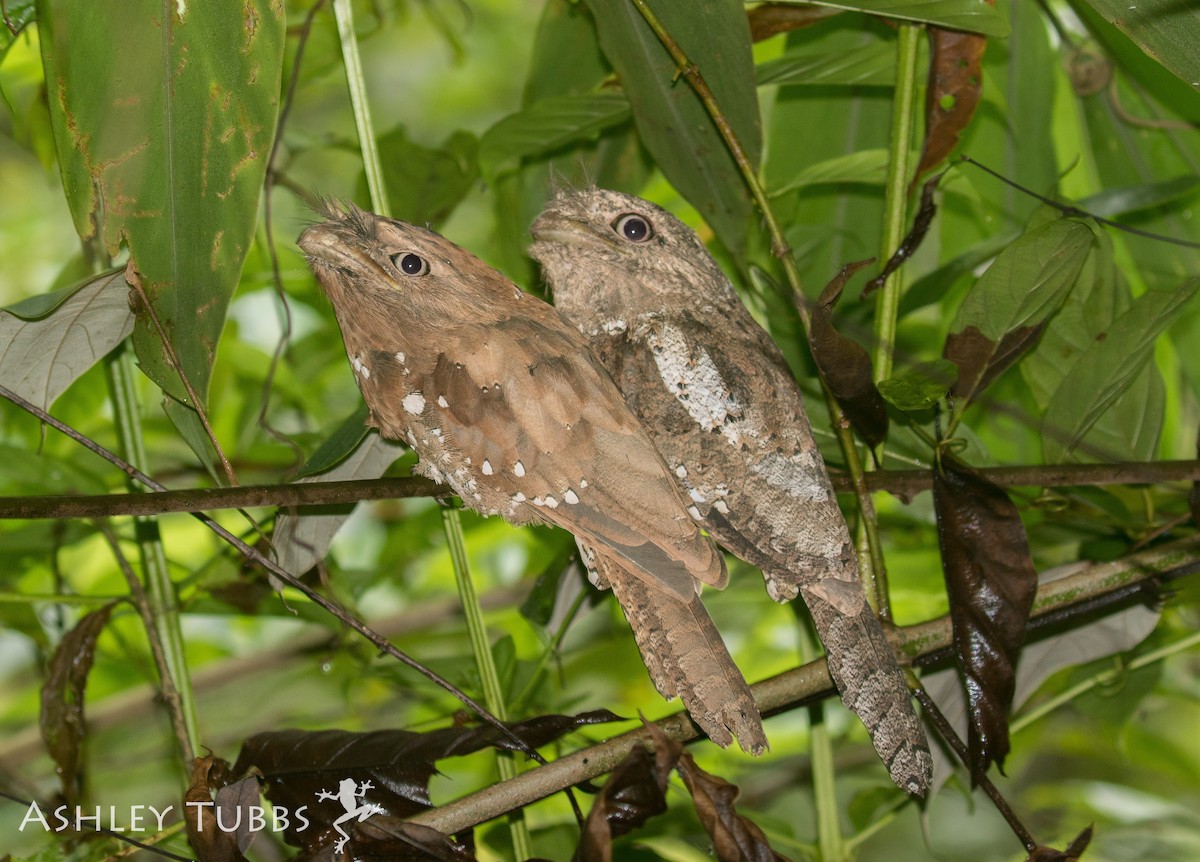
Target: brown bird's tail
863,666
685,656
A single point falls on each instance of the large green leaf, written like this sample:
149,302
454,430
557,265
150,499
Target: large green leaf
163,115
974,16
1165,29
547,125
872,64
1108,368
47,342
671,120
1004,313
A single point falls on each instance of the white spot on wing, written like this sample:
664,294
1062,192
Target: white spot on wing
400,357
551,502
681,471
571,497
518,497
486,467
442,401
696,496
721,507
414,402
519,469
694,512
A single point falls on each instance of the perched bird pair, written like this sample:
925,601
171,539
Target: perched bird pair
504,401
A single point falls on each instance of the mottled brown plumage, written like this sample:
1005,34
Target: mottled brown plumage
718,398
503,401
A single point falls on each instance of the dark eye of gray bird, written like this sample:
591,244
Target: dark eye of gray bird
633,227
411,264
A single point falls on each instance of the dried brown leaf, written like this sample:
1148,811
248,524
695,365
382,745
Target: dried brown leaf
955,85
62,714
635,792
844,365
396,840
771,19
734,838
913,239
981,360
991,582
1071,854
216,813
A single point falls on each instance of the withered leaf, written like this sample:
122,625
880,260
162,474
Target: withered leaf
981,360
913,239
734,838
955,84
218,829
844,365
771,19
991,581
389,769
62,716
635,792
1071,854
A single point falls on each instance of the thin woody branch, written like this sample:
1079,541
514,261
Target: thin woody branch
905,483
803,685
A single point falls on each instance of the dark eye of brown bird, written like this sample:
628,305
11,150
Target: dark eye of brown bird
633,227
411,264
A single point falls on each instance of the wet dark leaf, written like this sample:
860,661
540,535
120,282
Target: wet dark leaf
844,365
62,719
389,769
921,386
635,792
991,581
393,839
955,85
1071,854
218,812
734,838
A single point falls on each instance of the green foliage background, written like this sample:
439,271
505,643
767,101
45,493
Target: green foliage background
480,109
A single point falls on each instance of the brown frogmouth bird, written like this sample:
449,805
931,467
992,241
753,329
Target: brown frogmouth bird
504,402
723,408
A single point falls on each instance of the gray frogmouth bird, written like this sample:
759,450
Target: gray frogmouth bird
721,404
504,402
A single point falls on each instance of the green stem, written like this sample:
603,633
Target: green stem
1103,678
493,693
830,841
895,215
344,15
160,590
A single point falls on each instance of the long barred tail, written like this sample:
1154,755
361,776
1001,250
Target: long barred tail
863,666
685,656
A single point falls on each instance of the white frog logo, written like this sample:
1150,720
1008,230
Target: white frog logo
350,794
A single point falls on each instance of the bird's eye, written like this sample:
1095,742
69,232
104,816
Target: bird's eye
633,227
411,264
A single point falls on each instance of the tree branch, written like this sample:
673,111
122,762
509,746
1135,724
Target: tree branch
808,683
904,483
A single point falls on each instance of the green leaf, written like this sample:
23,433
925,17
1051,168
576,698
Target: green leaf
18,14
920,387
547,125
974,16
867,166
301,541
339,445
1144,196
1003,314
425,184
1108,369
671,120
163,117
869,65
48,341
1164,29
